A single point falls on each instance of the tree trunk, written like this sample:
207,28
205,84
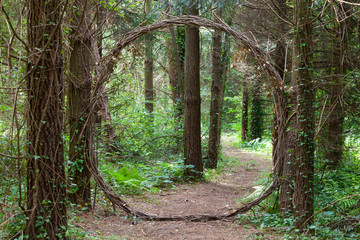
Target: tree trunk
106,119
335,143
176,81
286,180
175,75
335,139
80,119
288,146
175,94
256,116
192,128
213,143
149,67
46,185
103,110
245,110
282,156
304,175
225,63
180,40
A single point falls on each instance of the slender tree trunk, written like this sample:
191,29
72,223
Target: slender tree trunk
46,185
245,110
287,186
225,60
304,175
103,110
175,75
176,85
149,67
106,119
282,160
216,85
358,27
335,143
80,119
180,62
175,94
256,116
289,160
192,128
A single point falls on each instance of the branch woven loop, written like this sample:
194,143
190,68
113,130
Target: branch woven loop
107,65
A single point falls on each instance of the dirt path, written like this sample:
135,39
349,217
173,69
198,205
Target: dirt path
214,197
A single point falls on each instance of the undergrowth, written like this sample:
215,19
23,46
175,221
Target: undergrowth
137,178
337,203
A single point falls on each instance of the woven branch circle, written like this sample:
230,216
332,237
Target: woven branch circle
106,68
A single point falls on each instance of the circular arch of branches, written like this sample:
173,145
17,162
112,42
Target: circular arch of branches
107,65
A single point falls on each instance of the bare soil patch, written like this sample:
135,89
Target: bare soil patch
214,197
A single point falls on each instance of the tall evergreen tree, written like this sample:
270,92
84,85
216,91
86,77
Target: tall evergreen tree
46,188
214,126
78,96
245,110
149,67
283,147
103,103
256,112
304,174
192,128
339,41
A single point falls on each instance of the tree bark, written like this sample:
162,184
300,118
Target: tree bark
80,118
192,128
149,67
282,147
245,110
175,75
225,63
46,185
287,147
219,72
215,104
256,116
180,62
287,178
304,175
176,80
335,138
175,94
103,110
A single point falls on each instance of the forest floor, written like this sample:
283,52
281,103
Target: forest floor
218,196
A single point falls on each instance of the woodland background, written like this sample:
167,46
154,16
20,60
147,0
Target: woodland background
95,105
